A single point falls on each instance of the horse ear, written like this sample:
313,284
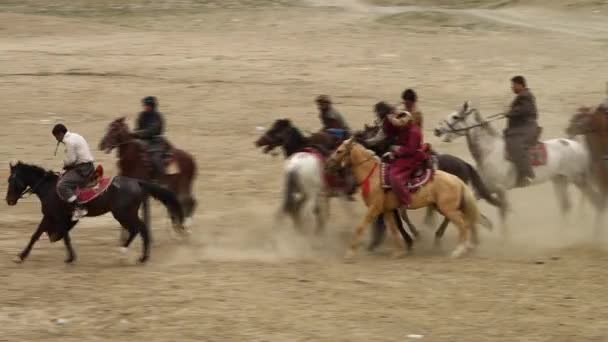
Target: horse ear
122,118
11,164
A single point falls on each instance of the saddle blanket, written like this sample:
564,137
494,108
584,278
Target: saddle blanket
420,177
87,194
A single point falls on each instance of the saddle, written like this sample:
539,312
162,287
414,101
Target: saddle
423,174
161,145
97,185
537,153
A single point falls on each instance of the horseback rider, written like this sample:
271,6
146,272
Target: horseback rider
410,103
333,122
78,168
149,129
522,130
406,154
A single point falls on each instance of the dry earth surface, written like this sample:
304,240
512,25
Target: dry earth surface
221,68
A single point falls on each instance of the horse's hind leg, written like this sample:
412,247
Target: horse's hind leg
456,216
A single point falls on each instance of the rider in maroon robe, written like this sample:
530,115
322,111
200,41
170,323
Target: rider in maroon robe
406,153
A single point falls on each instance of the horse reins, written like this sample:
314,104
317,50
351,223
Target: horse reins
453,129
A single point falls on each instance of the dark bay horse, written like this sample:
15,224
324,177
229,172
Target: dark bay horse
133,163
284,134
445,162
122,198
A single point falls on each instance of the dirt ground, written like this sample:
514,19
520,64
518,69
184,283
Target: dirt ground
222,68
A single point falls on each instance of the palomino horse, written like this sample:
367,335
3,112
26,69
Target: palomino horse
132,163
447,192
562,161
445,162
121,196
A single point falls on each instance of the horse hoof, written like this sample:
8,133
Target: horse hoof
143,259
18,259
349,257
69,260
398,254
458,252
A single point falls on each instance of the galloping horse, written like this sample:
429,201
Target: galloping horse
447,192
445,162
561,161
593,124
133,162
120,195
305,171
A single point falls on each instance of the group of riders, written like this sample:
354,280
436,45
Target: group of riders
401,126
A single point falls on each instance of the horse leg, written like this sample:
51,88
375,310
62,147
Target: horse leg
404,234
502,211
145,238
560,186
400,250
378,232
440,231
321,212
409,223
596,199
67,241
42,227
372,212
429,217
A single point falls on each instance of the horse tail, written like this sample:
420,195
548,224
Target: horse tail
167,198
481,188
290,201
469,207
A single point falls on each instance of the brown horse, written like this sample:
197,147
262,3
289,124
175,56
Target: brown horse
133,162
447,192
593,124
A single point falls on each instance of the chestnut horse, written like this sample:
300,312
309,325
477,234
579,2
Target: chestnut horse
133,162
593,124
447,192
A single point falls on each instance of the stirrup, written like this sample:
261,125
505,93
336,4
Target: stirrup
79,213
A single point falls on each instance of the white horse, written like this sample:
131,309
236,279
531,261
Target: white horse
304,190
568,161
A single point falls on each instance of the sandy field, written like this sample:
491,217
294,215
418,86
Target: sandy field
222,68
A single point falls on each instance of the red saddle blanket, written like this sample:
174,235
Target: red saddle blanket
331,180
420,177
89,193
538,154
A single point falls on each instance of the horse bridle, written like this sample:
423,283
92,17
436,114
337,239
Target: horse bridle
28,190
459,131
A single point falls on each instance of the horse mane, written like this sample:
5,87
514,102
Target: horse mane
36,169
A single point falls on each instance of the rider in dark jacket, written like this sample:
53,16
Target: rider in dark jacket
150,128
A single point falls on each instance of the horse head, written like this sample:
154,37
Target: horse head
588,120
116,134
275,136
456,123
341,157
23,178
